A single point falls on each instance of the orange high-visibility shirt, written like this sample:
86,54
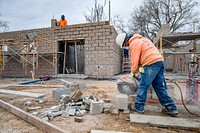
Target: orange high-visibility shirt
142,52
62,22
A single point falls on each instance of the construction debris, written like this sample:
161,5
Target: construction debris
20,93
77,105
33,108
66,82
41,101
59,92
81,85
76,96
27,103
96,107
65,99
41,124
34,113
78,119
73,85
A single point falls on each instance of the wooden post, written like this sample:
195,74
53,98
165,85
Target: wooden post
27,56
76,59
64,64
53,51
175,62
2,56
33,72
36,50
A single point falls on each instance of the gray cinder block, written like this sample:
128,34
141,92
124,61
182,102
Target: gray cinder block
76,96
65,113
96,107
65,99
81,85
72,112
54,108
121,101
54,114
57,93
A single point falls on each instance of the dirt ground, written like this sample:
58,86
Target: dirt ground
102,89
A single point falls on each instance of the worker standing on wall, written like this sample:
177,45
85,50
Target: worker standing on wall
62,21
145,56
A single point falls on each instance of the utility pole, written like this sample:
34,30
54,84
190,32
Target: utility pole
109,11
193,30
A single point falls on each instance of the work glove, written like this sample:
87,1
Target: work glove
141,69
134,76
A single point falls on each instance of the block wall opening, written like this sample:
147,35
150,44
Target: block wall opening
71,57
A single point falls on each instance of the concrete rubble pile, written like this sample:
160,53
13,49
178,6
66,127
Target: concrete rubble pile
77,105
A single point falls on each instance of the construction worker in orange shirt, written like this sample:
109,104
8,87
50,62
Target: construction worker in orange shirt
62,21
145,55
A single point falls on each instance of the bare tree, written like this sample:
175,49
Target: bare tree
97,13
148,18
3,25
119,24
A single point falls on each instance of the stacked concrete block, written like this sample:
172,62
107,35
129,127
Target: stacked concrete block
59,92
100,48
44,67
100,43
77,108
121,102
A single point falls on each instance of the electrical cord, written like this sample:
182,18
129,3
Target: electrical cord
182,99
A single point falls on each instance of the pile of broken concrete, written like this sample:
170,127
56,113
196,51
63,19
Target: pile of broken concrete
77,105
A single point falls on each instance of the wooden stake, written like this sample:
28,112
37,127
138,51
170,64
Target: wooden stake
76,59
64,64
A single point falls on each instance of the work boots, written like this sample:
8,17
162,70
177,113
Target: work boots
170,112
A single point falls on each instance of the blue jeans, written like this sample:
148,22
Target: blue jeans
126,55
153,74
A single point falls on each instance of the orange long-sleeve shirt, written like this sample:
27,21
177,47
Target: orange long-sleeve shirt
62,22
142,52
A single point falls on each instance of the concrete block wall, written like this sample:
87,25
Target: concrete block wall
102,54
14,68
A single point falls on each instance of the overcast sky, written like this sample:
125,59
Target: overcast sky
29,14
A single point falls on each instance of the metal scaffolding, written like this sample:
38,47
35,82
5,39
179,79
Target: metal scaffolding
180,57
26,52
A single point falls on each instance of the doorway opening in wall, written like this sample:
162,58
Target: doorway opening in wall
72,57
